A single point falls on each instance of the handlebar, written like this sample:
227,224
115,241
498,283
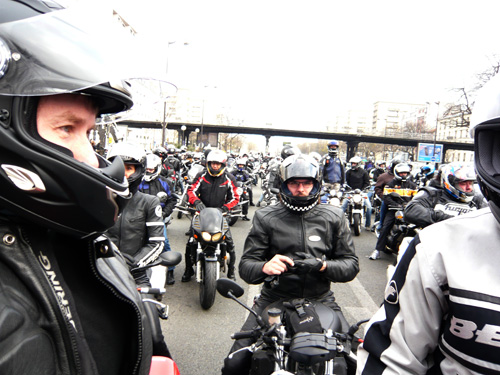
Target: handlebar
151,290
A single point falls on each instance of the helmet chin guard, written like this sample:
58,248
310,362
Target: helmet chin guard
300,167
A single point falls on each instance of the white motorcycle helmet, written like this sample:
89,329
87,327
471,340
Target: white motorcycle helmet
153,167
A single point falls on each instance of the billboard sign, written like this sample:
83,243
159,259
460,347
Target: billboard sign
429,152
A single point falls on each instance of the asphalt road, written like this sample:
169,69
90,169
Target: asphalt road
199,340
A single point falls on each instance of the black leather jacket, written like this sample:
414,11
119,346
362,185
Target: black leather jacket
432,205
139,229
321,232
68,306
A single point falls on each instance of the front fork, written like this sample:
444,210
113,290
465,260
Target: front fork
202,256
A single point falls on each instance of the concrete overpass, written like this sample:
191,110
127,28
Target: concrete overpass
352,140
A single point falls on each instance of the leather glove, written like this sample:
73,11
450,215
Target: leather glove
306,264
200,206
224,209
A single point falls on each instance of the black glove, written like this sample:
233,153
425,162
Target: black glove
225,209
200,206
306,264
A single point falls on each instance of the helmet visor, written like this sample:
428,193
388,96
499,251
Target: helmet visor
64,51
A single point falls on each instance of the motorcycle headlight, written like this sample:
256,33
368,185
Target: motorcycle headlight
208,237
216,237
339,194
356,198
239,190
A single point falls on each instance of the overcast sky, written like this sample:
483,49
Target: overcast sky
300,62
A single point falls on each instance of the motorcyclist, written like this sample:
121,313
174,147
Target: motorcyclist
274,164
278,236
68,303
397,192
424,175
455,197
357,178
213,187
139,230
440,313
154,184
380,167
383,180
333,169
241,175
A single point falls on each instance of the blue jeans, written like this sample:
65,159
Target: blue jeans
368,212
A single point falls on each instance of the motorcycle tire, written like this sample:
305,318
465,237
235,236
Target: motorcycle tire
232,220
356,224
208,284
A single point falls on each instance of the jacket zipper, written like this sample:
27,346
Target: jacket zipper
104,282
50,294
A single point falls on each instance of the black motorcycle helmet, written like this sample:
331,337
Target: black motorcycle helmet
40,181
299,166
289,150
485,128
130,154
393,164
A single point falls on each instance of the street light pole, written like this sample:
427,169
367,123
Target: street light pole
435,135
183,128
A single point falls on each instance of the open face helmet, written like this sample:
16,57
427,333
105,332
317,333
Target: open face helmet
216,156
402,172
454,173
333,148
299,167
40,181
355,162
153,167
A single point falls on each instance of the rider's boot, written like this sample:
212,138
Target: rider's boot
232,262
188,272
170,277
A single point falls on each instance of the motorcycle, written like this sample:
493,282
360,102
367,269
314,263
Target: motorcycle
401,232
208,251
332,194
277,351
155,310
355,211
237,211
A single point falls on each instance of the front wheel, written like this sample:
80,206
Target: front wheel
357,224
232,220
207,285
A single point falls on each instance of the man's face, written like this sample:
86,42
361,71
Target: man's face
466,186
66,120
403,174
215,166
300,187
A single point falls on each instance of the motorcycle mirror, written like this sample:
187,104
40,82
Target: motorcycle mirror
226,286
275,191
170,258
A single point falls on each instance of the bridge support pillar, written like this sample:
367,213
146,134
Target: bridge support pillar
352,148
267,143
